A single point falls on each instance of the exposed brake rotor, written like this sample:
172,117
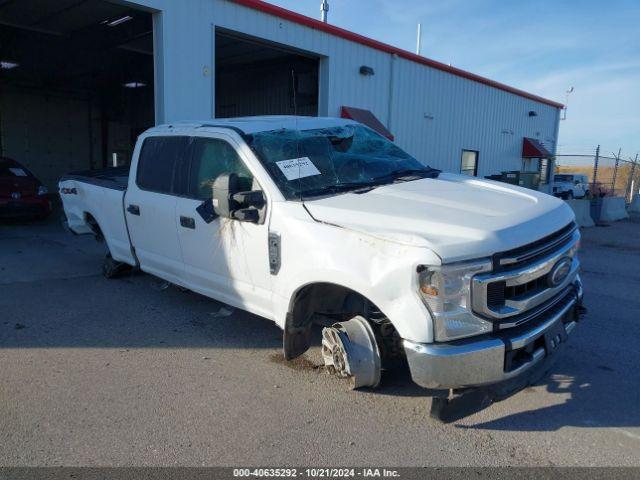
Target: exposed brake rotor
349,349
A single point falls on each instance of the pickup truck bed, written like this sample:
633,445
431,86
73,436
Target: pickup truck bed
96,198
115,178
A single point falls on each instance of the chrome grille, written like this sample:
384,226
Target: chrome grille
519,282
530,252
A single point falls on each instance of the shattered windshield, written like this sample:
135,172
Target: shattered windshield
331,160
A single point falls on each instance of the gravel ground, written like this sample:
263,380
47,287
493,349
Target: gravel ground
132,372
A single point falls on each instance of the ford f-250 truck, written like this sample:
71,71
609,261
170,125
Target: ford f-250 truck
473,284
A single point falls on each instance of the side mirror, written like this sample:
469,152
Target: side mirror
224,187
228,201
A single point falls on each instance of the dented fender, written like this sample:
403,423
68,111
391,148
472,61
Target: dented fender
380,270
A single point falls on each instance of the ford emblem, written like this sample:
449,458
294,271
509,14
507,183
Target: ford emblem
559,272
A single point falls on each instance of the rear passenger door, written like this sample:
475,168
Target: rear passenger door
150,206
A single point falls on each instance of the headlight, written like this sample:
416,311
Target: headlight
42,190
446,291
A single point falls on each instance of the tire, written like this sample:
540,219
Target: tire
570,195
111,268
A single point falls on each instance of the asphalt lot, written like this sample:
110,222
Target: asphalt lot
132,372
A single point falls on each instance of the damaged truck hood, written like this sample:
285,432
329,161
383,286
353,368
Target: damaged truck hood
457,217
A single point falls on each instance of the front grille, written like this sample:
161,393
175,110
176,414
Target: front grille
496,293
518,285
529,253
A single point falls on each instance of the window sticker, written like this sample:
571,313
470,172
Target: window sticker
296,168
18,172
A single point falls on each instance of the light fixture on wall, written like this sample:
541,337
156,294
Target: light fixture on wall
6,65
134,85
366,71
533,113
117,21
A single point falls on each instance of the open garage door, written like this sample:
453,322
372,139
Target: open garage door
76,84
254,77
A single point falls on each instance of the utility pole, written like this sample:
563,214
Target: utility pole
615,173
631,182
595,166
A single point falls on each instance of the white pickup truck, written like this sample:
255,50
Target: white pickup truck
473,284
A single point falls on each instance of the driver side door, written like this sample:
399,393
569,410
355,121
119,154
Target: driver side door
226,259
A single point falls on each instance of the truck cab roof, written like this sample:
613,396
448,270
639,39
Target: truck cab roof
249,125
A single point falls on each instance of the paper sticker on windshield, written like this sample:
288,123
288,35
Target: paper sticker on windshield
18,172
298,168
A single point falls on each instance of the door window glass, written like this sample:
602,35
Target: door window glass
211,158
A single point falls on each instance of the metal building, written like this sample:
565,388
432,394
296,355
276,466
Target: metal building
81,79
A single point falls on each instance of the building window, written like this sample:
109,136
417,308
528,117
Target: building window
469,165
545,166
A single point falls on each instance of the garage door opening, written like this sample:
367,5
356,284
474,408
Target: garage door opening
76,84
258,78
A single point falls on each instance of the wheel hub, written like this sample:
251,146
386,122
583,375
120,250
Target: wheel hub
349,349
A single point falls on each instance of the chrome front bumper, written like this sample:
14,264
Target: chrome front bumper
489,360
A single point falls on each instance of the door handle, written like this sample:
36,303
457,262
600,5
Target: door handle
133,209
187,222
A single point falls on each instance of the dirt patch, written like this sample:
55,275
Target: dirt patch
300,363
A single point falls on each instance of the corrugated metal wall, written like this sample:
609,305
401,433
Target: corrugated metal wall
49,134
433,114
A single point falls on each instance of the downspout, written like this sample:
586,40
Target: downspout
552,166
394,58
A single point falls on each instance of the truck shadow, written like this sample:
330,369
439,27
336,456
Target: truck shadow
584,395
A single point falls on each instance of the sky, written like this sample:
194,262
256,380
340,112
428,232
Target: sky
540,46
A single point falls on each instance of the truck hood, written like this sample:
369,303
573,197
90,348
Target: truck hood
455,216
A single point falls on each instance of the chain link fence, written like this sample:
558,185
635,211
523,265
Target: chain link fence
609,173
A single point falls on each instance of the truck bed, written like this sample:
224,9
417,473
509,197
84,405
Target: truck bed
115,178
97,197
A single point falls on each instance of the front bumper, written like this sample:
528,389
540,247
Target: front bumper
499,357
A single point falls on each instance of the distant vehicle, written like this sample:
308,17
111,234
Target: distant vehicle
22,195
570,185
321,220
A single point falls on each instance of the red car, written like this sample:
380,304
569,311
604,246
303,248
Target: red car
21,194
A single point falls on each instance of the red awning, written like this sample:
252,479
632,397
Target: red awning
532,148
366,118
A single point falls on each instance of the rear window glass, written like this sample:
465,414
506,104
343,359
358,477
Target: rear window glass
157,163
10,169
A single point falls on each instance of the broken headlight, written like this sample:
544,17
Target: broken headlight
446,291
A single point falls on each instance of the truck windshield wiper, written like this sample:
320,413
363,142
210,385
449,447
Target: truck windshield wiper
361,187
413,172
